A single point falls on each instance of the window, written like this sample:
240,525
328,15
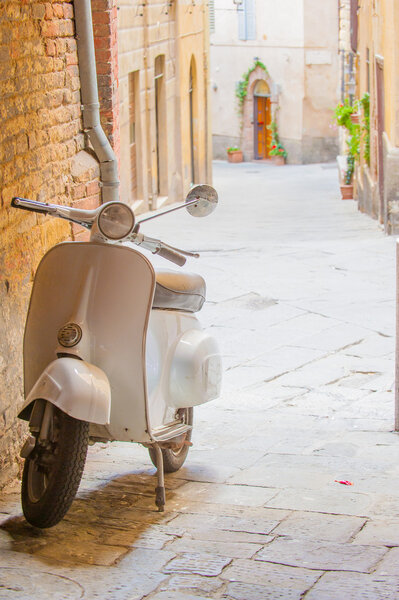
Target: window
212,16
247,20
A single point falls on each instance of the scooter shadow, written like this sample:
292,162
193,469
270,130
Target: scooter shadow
102,525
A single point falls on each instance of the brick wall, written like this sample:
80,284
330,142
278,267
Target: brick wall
106,47
41,157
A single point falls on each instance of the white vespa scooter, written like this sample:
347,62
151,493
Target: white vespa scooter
112,351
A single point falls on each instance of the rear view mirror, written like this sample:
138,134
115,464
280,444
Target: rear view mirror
202,200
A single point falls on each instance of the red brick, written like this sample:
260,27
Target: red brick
58,11
92,188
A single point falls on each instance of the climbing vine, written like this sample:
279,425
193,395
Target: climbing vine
242,86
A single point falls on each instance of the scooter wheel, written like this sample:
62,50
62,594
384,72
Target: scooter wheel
173,460
52,473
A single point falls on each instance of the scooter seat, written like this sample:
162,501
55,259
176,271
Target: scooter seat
179,291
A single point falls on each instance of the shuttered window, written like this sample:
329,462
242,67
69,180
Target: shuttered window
212,16
354,5
247,20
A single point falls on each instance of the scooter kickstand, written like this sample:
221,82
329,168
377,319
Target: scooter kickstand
160,489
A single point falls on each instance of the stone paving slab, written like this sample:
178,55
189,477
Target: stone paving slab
322,555
234,537
241,495
316,526
173,595
192,583
281,577
354,586
246,591
199,563
262,523
18,584
389,564
230,549
333,500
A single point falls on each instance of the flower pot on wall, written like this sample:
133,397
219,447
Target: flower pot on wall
355,117
235,156
346,191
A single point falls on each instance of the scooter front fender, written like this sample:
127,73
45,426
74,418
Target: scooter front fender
76,387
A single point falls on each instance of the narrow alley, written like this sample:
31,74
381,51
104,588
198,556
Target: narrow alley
301,297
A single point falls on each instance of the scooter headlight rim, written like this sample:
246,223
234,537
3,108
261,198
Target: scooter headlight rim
116,221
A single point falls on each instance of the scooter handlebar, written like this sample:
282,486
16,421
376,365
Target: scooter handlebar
32,205
171,255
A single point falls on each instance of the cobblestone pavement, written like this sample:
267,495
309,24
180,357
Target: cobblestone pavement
301,298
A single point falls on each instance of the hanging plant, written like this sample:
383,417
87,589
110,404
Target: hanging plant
365,102
242,86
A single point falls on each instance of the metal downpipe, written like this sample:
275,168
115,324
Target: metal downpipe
90,103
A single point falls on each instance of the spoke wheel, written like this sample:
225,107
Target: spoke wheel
173,459
53,471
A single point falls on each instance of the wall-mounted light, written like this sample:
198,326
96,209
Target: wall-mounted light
238,2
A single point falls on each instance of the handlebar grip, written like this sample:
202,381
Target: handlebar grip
174,257
32,205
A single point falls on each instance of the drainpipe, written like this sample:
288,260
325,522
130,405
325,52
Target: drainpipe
90,104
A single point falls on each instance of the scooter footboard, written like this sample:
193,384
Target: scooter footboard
76,387
196,370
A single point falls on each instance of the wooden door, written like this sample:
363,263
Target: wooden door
262,121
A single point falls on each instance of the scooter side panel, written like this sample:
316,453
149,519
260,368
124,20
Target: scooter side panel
183,365
107,290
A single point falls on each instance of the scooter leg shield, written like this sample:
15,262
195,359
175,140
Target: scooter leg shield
76,387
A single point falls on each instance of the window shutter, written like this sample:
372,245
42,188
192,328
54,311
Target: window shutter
353,24
242,30
250,10
212,16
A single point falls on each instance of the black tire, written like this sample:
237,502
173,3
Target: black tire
52,475
173,460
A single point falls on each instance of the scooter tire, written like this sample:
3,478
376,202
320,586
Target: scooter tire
47,496
173,460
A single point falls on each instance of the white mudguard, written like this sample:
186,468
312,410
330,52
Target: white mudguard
76,387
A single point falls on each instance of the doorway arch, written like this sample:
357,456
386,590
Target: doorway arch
262,119
258,113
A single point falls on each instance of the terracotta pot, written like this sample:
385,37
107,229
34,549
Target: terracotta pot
355,118
235,156
278,161
346,191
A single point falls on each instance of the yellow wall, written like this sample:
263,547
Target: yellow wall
179,33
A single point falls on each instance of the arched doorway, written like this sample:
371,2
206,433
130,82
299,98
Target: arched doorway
262,120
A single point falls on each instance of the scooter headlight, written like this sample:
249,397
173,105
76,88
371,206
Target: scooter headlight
116,221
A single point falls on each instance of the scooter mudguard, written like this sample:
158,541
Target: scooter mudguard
76,387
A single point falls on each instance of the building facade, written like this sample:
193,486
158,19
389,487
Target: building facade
285,55
152,71
377,55
163,89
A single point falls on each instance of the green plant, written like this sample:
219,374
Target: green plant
365,103
242,85
277,149
232,149
343,114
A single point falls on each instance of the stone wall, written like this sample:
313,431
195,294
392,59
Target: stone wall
41,157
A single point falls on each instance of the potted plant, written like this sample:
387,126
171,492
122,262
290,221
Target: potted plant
234,154
343,117
277,152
